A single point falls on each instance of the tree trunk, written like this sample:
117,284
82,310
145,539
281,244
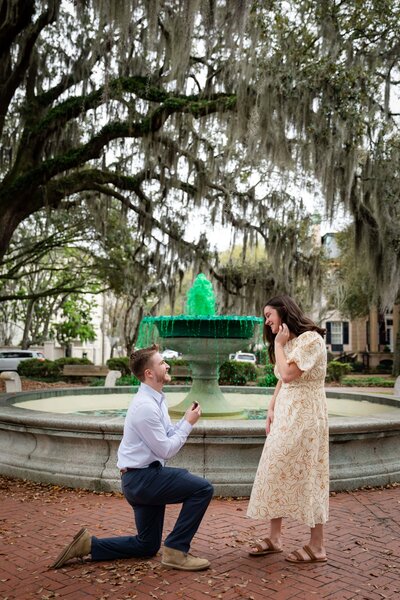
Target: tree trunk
396,355
28,321
11,215
6,232
130,336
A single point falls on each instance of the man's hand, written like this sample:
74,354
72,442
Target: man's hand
193,414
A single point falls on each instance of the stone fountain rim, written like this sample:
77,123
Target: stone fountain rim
80,450
205,428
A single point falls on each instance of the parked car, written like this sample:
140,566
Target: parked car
10,359
245,357
167,353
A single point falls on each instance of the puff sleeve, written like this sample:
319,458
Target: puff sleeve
307,351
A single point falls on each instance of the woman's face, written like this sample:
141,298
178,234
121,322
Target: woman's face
272,318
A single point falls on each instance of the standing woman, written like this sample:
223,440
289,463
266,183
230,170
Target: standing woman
293,474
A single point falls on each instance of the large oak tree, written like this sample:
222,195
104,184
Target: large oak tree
166,106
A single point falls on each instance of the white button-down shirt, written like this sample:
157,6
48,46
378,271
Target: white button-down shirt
149,434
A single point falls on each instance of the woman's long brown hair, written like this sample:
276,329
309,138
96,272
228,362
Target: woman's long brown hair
293,316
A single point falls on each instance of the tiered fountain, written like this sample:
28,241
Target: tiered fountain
35,438
205,340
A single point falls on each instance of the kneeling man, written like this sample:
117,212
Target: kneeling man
149,440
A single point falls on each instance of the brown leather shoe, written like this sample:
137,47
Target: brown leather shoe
80,546
175,559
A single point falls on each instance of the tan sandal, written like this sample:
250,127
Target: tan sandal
300,558
264,546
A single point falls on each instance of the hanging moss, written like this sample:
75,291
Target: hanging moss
289,88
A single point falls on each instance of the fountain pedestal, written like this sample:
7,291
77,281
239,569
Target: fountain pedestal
204,356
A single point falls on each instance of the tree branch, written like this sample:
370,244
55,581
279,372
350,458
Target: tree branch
115,130
80,70
12,22
7,90
80,289
140,87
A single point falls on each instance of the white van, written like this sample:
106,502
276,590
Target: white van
10,359
244,357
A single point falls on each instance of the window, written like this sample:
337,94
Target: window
389,342
21,354
337,334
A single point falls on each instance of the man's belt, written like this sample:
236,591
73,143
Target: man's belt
152,465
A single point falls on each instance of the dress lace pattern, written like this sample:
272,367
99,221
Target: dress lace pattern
293,473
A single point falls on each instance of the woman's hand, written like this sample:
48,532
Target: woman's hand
282,337
270,420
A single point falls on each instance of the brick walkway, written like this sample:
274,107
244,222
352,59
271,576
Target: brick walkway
36,521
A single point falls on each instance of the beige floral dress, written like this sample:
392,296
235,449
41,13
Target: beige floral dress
293,473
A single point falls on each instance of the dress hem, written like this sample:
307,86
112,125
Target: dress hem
291,516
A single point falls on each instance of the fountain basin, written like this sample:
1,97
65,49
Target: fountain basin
80,450
205,326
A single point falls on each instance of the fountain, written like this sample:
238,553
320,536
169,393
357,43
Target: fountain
205,340
58,436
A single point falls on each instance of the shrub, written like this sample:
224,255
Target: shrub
71,360
233,372
379,369
128,380
262,356
269,379
48,369
250,371
42,369
357,367
337,370
95,381
119,363
385,366
177,362
260,371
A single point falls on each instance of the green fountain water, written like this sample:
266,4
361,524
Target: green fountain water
201,298
205,340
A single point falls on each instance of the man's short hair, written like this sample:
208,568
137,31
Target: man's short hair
139,360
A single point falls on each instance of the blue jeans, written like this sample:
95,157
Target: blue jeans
148,491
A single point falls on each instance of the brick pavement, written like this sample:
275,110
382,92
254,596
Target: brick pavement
36,521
